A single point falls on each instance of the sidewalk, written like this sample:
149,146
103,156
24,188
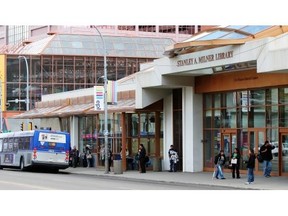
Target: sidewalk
200,178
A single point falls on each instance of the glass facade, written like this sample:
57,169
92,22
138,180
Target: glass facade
143,130
245,119
53,74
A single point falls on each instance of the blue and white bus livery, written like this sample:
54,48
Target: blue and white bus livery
35,148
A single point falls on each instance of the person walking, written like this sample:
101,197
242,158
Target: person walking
250,166
173,158
219,162
266,153
141,156
235,161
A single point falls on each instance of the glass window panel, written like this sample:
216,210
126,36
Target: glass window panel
135,125
272,116
217,119
283,116
217,100
242,117
229,99
208,149
214,35
234,35
208,101
256,97
228,118
255,29
257,117
208,119
272,96
283,95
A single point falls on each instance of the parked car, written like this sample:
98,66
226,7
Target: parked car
275,151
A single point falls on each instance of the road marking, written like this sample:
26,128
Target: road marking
26,185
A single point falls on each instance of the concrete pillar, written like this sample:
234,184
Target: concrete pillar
192,131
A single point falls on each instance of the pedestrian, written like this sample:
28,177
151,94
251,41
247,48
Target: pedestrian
141,157
88,154
250,166
235,161
109,159
173,158
266,153
219,162
74,157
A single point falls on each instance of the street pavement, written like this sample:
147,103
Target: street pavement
198,178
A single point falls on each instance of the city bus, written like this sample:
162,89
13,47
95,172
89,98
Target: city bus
35,148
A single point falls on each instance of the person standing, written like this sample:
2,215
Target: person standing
141,156
88,154
219,162
109,159
173,158
250,166
266,153
74,155
235,161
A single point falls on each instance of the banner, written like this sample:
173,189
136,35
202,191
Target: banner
112,92
98,98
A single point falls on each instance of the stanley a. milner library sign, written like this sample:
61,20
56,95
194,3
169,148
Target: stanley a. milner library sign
205,58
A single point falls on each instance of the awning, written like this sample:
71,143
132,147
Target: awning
37,113
76,109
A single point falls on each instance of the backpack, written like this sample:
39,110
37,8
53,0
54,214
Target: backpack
260,158
146,159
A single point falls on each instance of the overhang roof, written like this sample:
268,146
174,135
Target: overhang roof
76,109
92,45
223,36
37,112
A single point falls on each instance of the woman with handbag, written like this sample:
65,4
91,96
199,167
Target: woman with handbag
235,161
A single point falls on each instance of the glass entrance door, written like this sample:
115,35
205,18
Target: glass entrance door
283,158
256,139
228,143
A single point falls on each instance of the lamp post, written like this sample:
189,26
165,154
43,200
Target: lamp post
105,106
27,82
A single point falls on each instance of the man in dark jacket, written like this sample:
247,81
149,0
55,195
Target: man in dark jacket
141,156
266,153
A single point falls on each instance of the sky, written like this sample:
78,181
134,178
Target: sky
125,12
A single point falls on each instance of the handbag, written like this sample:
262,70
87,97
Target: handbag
89,156
234,161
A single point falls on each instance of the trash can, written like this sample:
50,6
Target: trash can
157,166
117,164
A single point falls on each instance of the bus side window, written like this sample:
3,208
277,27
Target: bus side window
27,143
1,145
5,145
16,144
20,143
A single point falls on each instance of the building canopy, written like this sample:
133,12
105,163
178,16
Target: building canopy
91,45
223,36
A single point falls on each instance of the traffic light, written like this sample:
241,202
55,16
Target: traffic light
22,126
30,125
